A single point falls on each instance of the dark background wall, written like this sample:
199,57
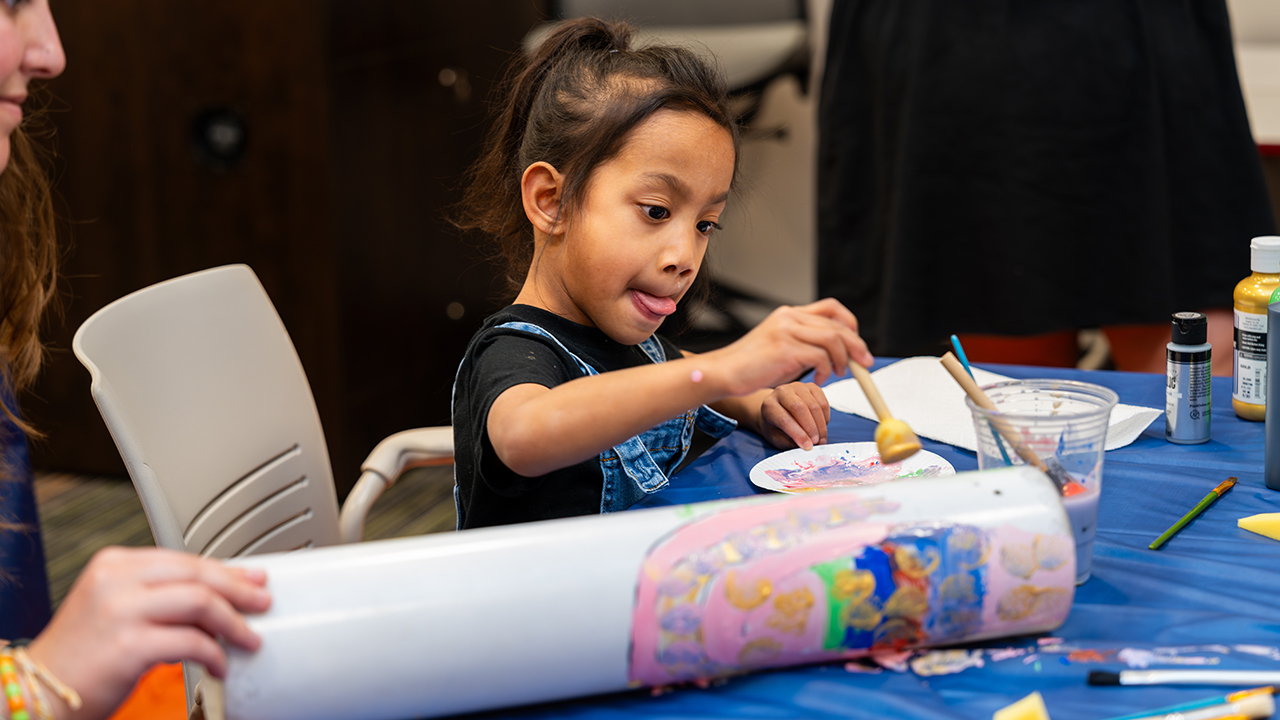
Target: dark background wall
359,120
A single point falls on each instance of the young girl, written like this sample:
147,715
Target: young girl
604,179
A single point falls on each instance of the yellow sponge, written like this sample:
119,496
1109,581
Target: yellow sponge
1265,524
1030,707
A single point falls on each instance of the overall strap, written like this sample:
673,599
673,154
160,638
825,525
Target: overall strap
541,332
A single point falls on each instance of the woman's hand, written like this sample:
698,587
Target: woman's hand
132,608
795,415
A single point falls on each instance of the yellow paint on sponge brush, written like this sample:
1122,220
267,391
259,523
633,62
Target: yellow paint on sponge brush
1030,707
1265,524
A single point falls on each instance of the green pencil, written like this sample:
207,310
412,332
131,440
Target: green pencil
1214,494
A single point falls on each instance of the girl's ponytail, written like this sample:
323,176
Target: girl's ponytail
491,203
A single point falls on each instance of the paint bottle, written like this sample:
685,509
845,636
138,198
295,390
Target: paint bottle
1271,454
1188,393
1252,296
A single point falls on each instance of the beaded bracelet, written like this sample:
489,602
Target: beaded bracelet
15,659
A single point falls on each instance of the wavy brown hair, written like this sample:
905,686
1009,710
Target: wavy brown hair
28,274
573,103
28,268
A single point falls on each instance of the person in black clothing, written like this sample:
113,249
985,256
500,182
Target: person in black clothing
1034,167
604,179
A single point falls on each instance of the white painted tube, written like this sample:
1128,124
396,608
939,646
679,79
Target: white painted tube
498,617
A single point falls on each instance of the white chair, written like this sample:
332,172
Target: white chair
203,393
202,390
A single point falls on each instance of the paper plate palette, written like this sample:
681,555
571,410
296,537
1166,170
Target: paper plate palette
841,465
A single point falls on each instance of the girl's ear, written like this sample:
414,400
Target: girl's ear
540,192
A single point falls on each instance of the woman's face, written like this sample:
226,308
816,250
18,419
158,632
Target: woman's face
29,48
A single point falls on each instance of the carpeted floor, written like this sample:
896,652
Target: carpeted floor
79,515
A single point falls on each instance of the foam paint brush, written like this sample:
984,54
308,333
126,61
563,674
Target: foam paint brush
1050,467
895,440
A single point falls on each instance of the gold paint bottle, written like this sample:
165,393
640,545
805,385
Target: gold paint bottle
1252,296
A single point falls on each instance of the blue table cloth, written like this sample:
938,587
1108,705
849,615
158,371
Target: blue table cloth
1211,595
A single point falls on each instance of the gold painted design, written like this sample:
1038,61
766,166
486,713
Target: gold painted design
1025,600
910,564
861,616
963,542
907,601
1019,560
1052,551
759,652
1045,552
730,553
896,631
959,587
791,611
746,599
853,585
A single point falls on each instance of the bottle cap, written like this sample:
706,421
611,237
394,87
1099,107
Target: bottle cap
1264,254
1190,328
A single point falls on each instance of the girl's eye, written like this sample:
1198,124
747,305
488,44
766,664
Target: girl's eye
656,212
706,226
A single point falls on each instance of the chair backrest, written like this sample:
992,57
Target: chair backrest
203,393
665,13
754,41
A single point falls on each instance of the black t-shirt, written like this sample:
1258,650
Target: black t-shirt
497,359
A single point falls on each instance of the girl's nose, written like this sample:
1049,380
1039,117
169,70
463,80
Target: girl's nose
42,56
681,256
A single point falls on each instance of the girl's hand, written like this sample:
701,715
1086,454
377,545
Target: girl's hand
795,415
131,608
822,336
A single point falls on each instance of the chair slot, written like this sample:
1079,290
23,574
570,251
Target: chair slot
248,491
246,528
281,538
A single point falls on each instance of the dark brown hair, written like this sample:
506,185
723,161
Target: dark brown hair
572,104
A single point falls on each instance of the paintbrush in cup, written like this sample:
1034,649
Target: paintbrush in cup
894,439
1051,467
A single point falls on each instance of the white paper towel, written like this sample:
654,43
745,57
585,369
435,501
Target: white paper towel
920,392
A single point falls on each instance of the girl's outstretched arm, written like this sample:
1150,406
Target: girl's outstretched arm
535,430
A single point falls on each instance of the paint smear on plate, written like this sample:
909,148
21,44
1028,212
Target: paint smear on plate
847,470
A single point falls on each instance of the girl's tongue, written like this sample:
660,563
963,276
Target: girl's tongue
660,306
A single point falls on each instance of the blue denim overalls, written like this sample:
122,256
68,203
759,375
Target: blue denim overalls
639,466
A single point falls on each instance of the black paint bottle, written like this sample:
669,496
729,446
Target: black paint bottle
1189,382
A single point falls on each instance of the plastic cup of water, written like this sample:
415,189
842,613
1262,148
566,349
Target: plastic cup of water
1063,422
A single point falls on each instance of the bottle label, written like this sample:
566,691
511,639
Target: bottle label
1250,358
1188,395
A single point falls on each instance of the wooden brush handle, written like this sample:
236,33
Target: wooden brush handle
869,389
980,399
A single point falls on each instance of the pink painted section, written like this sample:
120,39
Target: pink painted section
1031,580
684,606
740,590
